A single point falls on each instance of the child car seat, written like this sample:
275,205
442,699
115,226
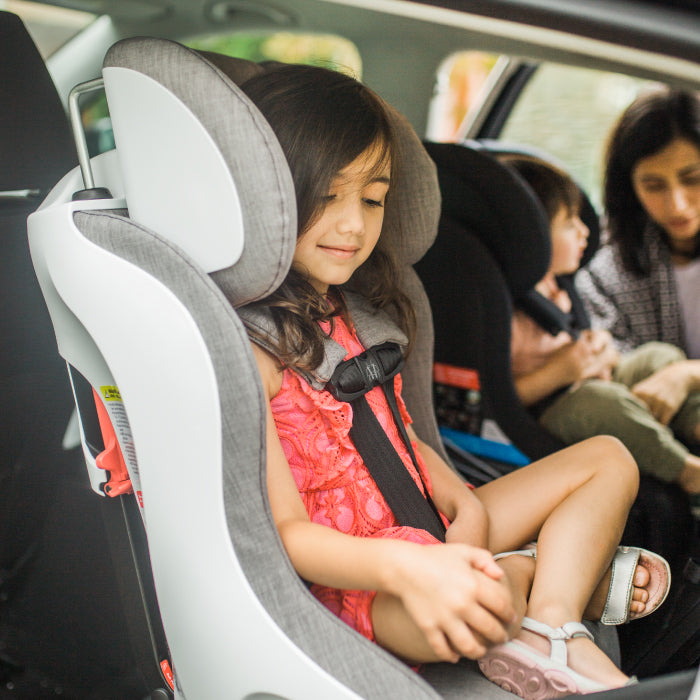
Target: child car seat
494,241
143,306
37,149
53,553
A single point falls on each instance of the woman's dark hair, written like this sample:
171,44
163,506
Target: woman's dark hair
552,186
323,120
646,127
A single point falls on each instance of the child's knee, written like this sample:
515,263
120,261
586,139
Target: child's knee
660,354
615,459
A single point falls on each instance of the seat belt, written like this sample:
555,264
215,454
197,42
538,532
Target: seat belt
350,382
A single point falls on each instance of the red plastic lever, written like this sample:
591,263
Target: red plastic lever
111,458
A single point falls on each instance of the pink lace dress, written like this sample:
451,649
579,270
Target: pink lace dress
332,478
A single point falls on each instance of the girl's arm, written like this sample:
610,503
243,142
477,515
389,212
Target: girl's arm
442,587
468,517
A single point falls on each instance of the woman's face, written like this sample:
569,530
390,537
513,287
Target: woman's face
667,185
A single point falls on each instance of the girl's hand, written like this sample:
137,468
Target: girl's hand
455,595
664,391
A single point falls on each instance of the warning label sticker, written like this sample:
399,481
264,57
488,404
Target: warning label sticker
122,429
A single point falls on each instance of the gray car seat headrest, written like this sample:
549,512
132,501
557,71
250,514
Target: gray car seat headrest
240,224
187,168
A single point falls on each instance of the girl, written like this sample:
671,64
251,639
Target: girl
422,599
643,286
566,381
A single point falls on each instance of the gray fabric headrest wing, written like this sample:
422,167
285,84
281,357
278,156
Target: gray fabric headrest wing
258,169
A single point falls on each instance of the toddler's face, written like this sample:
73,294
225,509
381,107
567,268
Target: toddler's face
345,233
569,240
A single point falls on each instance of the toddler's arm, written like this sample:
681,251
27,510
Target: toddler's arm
591,355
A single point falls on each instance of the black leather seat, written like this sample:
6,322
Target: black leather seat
61,625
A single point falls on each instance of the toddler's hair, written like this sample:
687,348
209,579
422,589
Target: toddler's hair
552,186
324,120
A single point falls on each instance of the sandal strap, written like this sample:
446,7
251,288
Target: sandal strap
531,551
619,598
557,636
523,552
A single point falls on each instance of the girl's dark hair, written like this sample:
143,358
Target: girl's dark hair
552,186
646,127
324,120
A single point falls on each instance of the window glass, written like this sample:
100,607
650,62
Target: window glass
569,112
318,49
50,27
460,81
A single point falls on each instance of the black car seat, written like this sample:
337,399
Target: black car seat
494,239
143,306
36,148
61,629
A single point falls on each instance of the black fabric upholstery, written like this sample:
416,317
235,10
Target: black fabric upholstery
493,245
59,622
472,308
487,199
35,400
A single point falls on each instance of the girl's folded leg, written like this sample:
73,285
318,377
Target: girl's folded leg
575,503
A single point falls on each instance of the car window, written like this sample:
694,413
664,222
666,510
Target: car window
325,50
569,112
460,84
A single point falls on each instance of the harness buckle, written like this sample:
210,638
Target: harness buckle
356,376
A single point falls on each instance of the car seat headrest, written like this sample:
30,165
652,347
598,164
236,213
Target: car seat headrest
201,166
588,213
489,200
34,158
413,209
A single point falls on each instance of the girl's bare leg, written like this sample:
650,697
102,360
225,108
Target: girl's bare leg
575,503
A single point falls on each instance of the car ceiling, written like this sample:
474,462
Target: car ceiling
671,27
658,38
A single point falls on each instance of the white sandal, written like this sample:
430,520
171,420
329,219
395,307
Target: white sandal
624,564
520,669
617,606
529,551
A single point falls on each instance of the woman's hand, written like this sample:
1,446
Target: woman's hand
664,391
456,596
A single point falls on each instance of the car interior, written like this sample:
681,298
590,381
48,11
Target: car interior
138,556
494,230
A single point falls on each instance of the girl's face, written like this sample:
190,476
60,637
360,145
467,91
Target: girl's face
667,185
346,231
569,240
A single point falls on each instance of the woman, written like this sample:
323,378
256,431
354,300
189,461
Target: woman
644,284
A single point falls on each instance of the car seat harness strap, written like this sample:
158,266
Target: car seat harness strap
350,382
